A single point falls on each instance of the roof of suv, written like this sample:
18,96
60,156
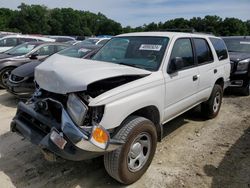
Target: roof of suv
164,34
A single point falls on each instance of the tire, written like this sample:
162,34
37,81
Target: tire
245,90
135,131
211,107
4,73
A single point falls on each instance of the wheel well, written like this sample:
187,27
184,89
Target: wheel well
220,82
153,114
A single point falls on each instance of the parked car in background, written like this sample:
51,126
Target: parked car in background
239,52
25,53
10,41
117,103
63,38
21,80
96,41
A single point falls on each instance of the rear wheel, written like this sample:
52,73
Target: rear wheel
211,107
4,76
128,163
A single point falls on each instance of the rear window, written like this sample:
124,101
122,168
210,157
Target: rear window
220,48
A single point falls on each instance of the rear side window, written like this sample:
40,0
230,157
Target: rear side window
27,40
220,48
182,50
203,51
8,42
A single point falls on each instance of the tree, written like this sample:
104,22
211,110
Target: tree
31,19
248,26
233,26
37,19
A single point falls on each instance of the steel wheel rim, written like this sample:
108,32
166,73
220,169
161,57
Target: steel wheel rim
216,104
139,152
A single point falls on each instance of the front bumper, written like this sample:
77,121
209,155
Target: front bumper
22,89
38,128
239,79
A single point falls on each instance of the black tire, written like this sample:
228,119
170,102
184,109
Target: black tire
117,162
211,107
3,74
245,90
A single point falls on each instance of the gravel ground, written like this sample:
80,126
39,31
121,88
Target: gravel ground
193,153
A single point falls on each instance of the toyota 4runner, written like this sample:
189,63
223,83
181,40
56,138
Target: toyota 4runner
116,103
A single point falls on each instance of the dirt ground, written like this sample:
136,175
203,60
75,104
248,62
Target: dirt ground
193,153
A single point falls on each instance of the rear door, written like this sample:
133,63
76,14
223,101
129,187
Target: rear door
182,85
206,67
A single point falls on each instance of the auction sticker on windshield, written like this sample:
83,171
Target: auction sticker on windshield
244,42
151,47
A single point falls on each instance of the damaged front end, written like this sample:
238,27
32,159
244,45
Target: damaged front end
64,126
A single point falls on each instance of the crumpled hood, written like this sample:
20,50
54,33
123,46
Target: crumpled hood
26,70
61,74
238,56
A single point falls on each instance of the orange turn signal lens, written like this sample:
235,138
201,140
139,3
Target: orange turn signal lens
100,135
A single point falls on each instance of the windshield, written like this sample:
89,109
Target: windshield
141,52
78,51
21,49
238,45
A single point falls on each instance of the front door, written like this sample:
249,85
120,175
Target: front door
182,84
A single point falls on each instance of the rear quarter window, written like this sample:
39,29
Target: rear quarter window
203,51
220,48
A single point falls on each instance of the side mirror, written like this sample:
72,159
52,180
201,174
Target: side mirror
33,56
175,65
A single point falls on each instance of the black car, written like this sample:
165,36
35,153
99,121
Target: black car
23,54
21,81
239,52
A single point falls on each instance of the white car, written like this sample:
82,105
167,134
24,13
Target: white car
10,41
116,104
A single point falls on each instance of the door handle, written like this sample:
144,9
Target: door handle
215,71
195,77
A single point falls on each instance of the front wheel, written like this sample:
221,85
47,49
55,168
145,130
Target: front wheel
211,107
129,162
4,76
245,90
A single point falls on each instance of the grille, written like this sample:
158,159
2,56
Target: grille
35,124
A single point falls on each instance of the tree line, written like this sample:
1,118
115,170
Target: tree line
38,19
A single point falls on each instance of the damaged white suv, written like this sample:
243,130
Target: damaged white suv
116,103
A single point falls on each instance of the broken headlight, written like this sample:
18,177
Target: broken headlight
76,109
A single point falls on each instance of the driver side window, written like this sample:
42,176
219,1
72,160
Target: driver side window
182,55
45,50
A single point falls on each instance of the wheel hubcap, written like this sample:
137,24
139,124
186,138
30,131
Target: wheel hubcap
216,102
139,152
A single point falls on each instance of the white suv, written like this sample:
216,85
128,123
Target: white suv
116,104
10,41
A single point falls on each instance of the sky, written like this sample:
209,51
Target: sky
138,12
